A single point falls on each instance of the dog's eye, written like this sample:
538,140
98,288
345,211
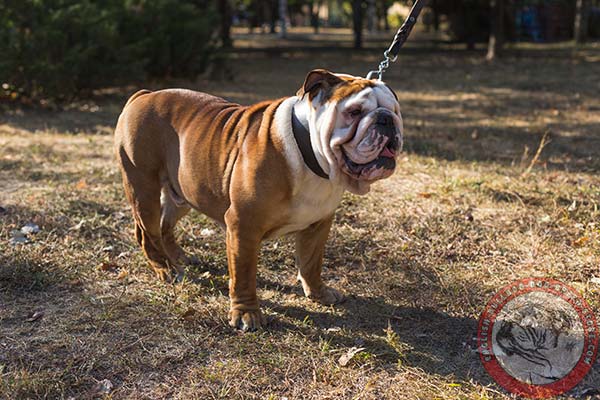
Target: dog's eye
354,113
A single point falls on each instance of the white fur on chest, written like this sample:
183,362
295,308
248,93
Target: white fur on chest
312,202
313,198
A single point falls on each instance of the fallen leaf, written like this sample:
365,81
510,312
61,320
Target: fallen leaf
78,226
18,237
346,358
118,215
205,275
35,316
82,184
189,314
108,266
30,228
207,232
103,387
123,274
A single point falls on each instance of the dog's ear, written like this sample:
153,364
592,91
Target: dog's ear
318,79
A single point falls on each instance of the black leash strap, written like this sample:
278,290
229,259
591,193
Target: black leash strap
391,54
302,136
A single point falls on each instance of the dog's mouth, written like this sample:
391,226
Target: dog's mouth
381,167
370,153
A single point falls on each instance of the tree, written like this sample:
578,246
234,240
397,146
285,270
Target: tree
357,22
282,17
436,15
225,24
582,12
382,9
80,46
371,15
273,15
496,39
314,7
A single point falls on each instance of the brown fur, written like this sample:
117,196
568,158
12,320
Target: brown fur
347,88
333,87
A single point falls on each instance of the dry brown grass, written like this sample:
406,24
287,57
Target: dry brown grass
419,256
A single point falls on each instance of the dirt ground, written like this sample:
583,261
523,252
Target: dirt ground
82,316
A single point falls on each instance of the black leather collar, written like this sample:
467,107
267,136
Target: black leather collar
302,136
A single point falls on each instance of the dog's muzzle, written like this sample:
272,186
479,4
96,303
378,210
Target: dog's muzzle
382,142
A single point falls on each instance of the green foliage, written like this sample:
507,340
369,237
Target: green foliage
59,48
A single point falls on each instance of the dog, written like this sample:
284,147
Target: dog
261,171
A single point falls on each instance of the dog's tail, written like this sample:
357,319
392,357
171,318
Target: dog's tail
136,95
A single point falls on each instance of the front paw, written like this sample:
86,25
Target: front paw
246,320
327,296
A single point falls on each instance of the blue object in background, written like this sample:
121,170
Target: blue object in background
528,24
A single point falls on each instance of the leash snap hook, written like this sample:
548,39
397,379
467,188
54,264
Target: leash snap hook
371,75
386,54
399,40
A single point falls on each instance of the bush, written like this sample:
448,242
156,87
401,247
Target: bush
59,48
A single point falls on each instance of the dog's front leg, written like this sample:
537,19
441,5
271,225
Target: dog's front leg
242,258
310,246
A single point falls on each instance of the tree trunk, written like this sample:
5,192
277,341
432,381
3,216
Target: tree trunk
282,18
436,15
380,12
225,28
315,7
273,22
357,19
261,15
582,12
371,15
386,21
496,40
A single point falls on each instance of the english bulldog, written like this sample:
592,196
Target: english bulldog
261,171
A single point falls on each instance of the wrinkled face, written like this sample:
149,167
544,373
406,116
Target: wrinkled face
359,126
368,133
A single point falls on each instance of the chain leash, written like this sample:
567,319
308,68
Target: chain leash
391,54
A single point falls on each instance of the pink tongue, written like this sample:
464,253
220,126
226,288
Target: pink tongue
387,153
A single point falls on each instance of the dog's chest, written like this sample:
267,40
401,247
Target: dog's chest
312,202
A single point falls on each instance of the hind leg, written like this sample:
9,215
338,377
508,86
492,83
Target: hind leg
171,213
143,192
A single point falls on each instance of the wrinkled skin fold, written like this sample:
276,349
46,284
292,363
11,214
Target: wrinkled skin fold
359,127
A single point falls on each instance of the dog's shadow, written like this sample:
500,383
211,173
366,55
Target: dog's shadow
425,338
432,341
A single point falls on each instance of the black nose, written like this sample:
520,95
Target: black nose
384,119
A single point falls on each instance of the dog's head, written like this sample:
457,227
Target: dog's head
355,125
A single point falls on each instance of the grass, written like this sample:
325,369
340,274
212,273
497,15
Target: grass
419,256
